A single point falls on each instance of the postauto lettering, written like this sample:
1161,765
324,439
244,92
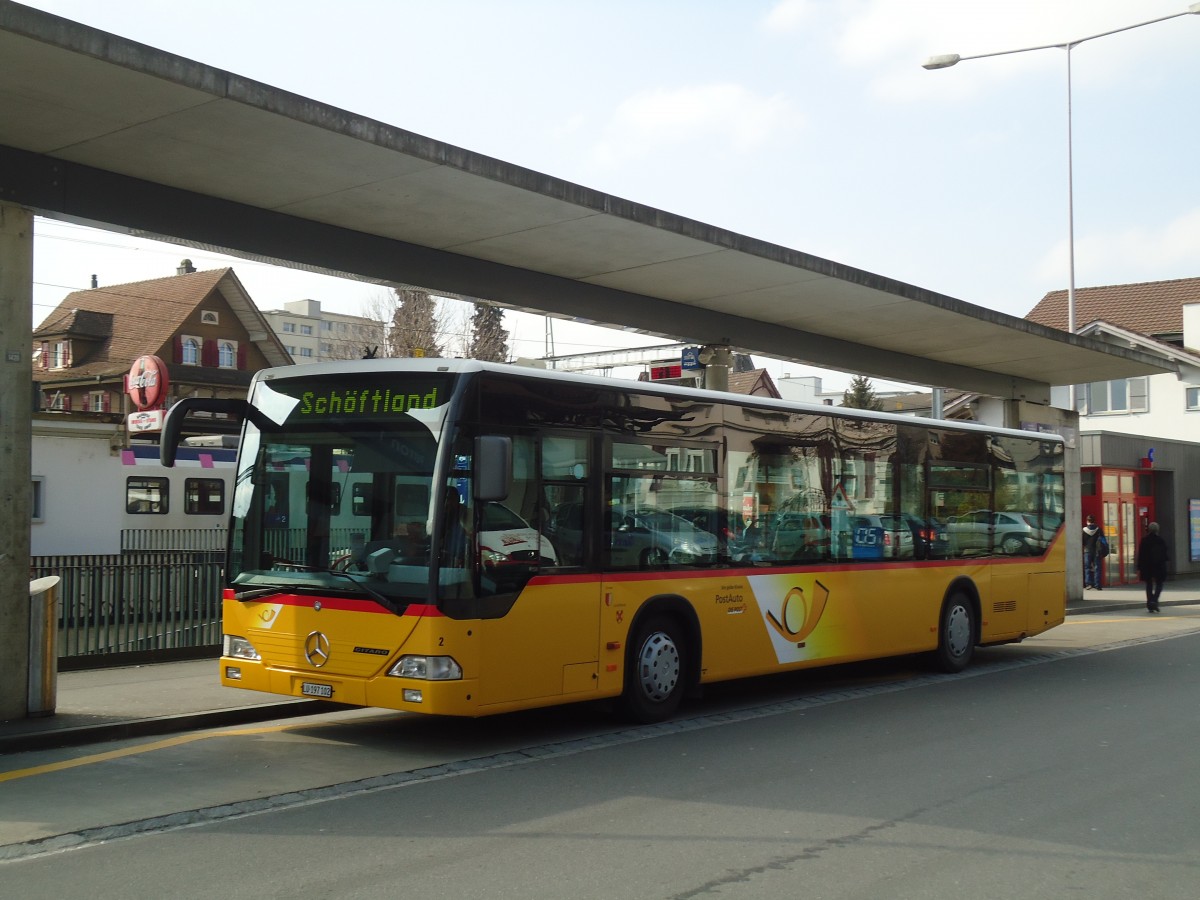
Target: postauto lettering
362,402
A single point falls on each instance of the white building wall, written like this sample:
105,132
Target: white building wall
329,335
73,463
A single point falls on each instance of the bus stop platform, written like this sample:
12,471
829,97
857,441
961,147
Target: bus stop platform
98,705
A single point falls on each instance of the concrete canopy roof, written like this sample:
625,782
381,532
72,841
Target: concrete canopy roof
99,129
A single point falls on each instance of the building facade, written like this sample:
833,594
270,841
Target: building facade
203,326
311,334
1139,438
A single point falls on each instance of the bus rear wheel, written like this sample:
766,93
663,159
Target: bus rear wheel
956,634
654,671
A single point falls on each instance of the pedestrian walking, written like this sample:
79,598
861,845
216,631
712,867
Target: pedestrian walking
1152,565
1095,548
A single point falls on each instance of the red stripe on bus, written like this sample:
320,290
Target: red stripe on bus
341,604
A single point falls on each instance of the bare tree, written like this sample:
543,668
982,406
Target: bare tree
354,338
419,323
457,334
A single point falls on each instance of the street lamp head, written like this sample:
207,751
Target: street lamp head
946,60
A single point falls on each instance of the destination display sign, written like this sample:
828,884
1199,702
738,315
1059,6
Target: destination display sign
385,397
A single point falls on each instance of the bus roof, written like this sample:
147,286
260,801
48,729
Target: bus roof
473,366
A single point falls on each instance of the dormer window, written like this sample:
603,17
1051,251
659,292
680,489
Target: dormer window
60,355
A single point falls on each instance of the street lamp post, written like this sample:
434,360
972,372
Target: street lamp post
946,60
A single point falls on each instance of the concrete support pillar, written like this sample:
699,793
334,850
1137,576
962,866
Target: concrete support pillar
16,398
716,370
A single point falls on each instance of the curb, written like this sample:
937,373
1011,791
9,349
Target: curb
53,738
1117,605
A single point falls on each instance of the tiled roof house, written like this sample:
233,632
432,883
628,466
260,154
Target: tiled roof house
1153,308
202,325
1162,317
753,383
1139,438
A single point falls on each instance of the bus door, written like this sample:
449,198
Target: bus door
535,553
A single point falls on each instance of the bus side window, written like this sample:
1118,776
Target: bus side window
562,512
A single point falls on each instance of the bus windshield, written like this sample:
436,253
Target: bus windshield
334,489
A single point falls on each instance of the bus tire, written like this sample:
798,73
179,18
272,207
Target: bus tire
956,633
655,670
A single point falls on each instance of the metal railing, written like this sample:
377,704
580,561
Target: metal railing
160,597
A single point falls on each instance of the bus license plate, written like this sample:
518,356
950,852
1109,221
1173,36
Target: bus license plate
310,689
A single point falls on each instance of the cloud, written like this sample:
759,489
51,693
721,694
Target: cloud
1137,253
787,15
722,116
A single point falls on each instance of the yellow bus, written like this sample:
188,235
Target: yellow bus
464,538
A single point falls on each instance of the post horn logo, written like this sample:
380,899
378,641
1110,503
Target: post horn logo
799,615
316,649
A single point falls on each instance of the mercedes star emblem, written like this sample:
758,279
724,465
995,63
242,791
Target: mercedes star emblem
316,649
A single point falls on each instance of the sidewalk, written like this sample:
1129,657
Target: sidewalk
97,705
110,704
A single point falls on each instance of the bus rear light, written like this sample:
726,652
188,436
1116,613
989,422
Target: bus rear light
238,648
427,668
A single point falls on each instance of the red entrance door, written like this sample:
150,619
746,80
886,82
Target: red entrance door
1122,500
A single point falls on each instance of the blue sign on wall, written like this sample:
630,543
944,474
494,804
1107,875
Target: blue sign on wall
690,358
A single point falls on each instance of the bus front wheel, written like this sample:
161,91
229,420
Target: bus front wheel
654,671
956,634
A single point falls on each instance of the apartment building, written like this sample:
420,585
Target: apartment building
312,334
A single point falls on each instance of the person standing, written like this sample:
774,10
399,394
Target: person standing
1093,538
1152,565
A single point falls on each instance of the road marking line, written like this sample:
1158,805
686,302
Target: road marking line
146,748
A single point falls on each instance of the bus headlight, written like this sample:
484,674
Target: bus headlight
427,668
238,648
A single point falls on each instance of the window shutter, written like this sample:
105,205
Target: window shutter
45,354
209,353
178,349
66,404
67,354
106,406
85,403
241,355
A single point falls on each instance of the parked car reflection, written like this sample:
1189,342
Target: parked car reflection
930,540
983,531
649,538
507,539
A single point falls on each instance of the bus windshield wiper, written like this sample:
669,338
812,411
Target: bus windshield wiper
276,589
384,601
259,593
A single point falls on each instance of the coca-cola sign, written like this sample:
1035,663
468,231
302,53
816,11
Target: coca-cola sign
147,383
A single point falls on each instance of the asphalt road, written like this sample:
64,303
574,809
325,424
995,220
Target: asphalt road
1061,766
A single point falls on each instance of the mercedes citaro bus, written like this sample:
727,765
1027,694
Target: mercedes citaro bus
465,538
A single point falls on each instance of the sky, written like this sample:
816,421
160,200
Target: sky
806,123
